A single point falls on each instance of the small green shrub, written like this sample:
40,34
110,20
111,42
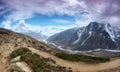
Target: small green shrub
40,64
34,61
78,57
19,52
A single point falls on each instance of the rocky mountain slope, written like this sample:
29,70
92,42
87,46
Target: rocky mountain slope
94,36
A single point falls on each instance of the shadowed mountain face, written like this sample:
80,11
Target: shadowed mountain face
93,36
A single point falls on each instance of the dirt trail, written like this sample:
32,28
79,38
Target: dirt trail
80,67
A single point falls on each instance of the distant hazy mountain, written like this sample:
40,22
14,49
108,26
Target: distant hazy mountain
38,32
93,36
30,31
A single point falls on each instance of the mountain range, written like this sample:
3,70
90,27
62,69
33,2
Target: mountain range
94,36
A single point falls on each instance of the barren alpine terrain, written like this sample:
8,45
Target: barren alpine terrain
11,41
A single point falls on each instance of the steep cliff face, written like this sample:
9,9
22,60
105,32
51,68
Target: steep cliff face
93,36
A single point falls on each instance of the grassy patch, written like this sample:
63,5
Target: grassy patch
84,58
19,52
38,63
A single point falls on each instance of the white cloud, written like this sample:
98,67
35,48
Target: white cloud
22,27
72,2
60,21
23,9
6,24
19,15
114,20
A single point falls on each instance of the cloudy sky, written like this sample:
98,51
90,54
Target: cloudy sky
53,16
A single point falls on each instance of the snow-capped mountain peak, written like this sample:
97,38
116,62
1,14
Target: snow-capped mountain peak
94,36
